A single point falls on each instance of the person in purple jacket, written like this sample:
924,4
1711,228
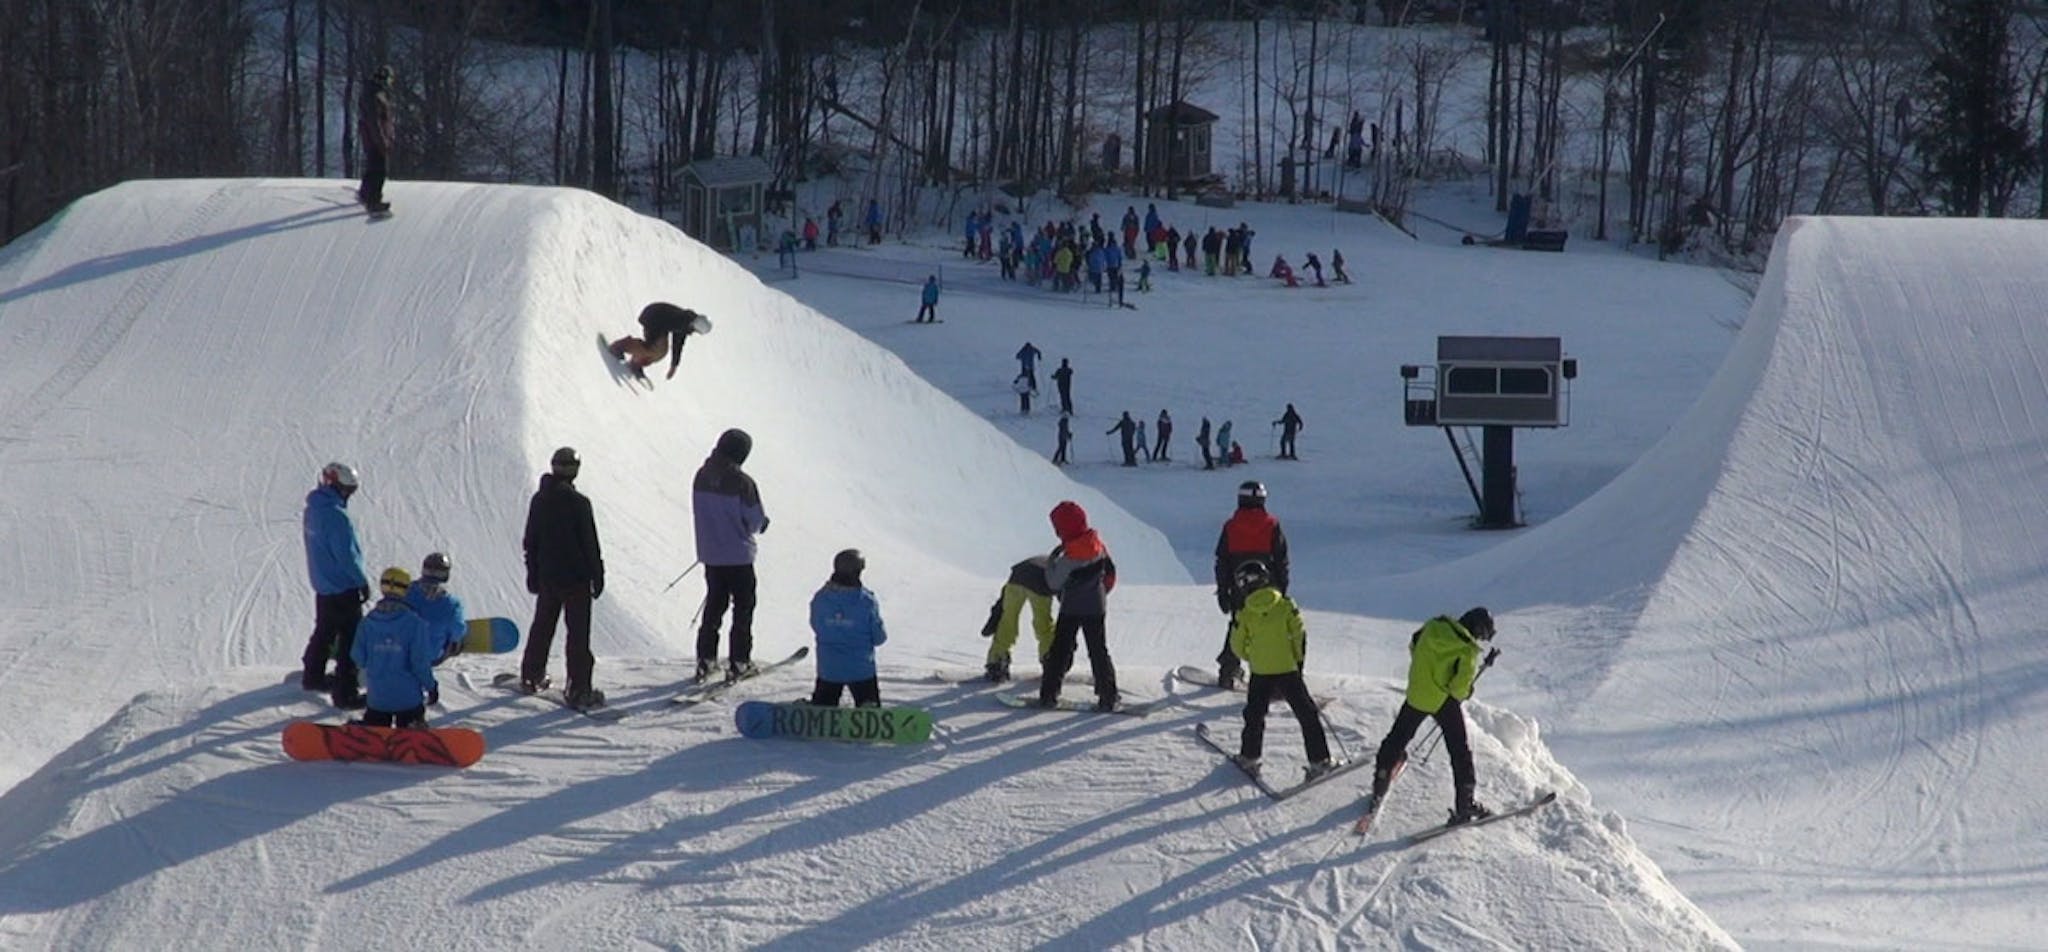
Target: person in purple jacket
848,623
726,506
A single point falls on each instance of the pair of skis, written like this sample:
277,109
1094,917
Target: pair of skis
510,681
708,690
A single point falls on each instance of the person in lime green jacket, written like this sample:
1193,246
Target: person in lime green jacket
1443,660
1267,633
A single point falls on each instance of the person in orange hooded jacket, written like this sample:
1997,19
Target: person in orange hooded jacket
1083,574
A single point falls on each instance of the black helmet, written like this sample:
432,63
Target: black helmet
1478,622
1251,494
435,566
735,445
1251,576
565,463
849,563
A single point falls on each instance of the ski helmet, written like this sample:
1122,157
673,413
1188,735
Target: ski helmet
565,463
435,566
1251,576
849,563
1478,622
394,581
1251,494
340,475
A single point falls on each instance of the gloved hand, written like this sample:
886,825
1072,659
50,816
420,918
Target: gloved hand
764,523
1223,601
362,594
1490,655
597,587
434,696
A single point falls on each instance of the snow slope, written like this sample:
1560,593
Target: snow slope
187,353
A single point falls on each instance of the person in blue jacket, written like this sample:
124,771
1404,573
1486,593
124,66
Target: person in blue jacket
430,598
340,587
928,307
396,652
848,622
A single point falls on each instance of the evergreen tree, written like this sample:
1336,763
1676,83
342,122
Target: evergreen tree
1974,143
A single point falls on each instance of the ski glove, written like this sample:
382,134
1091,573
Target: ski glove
362,594
596,587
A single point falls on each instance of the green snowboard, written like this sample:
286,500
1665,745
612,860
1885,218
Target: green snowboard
874,725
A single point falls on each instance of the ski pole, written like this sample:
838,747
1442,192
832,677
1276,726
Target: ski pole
1438,734
685,574
700,609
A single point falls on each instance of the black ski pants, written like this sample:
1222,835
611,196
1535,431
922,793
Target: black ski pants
334,632
867,693
728,585
375,168
417,717
566,602
1060,657
1450,719
1259,696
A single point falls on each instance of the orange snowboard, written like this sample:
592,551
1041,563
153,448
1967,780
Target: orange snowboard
435,746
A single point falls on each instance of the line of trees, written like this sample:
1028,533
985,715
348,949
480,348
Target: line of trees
1711,119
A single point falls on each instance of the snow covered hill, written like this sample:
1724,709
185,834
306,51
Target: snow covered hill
184,355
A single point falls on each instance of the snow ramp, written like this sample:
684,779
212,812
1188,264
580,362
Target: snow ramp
183,356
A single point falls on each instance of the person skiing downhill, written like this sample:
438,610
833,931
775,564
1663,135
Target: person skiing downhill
334,562
664,328
1251,534
1083,574
1443,661
565,574
1268,635
428,596
395,650
847,621
1026,586
726,508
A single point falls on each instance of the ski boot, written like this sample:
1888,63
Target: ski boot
1249,765
1468,809
1383,777
704,668
1315,771
1107,704
583,699
534,685
998,671
740,670
1226,676
314,680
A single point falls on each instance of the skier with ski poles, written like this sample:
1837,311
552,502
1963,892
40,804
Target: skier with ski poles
1444,661
1268,635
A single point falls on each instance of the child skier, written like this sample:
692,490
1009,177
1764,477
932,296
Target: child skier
848,623
1443,661
1083,574
1268,634
395,652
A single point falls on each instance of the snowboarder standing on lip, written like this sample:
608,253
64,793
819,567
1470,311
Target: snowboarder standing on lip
340,586
565,574
377,127
664,328
1443,661
1251,534
1083,574
1268,634
726,507
847,621
396,651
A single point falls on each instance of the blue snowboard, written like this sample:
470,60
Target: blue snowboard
490,636
878,725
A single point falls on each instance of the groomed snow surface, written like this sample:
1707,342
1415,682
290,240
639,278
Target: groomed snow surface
1774,615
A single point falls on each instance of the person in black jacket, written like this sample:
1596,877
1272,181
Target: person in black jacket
565,573
377,127
1127,430
1289,424
664,328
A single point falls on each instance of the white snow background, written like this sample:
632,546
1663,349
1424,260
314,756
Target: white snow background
1772,630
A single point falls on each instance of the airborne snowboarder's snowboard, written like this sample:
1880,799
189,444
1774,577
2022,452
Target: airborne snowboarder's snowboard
490,636
436,746
883,725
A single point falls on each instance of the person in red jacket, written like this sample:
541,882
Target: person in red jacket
1250,534
1082,573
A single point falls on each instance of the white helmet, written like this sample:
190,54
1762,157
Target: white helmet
340,475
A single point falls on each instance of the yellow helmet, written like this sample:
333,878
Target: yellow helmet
395,581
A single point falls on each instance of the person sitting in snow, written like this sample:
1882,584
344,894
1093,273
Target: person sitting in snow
395,652
847,621
1282,271
664,328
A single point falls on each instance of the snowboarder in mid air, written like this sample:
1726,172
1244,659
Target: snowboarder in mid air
664,328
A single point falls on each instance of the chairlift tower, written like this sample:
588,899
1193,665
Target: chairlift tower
1496,384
